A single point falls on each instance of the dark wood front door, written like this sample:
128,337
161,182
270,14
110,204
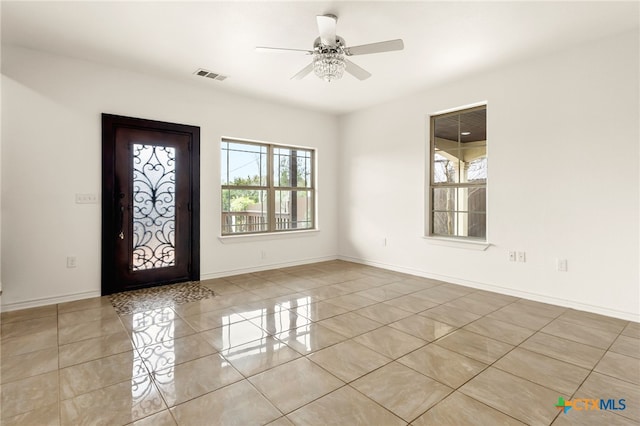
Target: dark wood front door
150,203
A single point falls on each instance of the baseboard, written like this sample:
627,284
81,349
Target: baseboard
267,267
34,303
628,316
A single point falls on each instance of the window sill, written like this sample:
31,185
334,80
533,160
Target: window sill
458,243
232,239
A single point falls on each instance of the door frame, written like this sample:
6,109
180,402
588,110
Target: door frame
110,123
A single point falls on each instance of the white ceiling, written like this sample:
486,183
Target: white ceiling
443,40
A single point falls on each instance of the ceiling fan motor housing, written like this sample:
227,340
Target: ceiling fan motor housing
340,44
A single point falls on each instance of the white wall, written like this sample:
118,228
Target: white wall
563,139
563,174
51,150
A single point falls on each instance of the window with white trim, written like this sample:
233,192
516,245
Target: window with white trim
266,187
458,181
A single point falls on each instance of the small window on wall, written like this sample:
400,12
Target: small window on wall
458,182
266,188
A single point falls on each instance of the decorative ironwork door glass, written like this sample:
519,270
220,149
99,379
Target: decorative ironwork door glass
154,207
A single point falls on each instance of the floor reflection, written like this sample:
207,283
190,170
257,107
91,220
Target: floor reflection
302,336
255,336
150,327
153,333
144,397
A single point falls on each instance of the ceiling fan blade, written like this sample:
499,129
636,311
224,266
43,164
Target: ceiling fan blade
383,46
327,29
283,49
303,72
356,71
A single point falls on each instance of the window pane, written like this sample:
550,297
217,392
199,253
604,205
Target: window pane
474,160
443,223
460,199
294,210
459,212
292,167
154,207
444,168
477,225
464,127
459,224
477,170
446,129
477,200
444,199
473,126
452,224
244,211
244,164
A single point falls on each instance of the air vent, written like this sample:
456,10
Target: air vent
209,74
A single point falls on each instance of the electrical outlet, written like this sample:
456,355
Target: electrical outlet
522,257
384,242
71,262
512,256
263,254
561,265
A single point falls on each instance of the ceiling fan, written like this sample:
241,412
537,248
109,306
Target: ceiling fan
329,51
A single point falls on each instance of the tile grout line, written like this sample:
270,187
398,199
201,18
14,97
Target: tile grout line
596,365
488,365
384,365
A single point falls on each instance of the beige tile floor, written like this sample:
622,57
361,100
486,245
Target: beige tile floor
328,343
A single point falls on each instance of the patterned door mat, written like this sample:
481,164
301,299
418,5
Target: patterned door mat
129,302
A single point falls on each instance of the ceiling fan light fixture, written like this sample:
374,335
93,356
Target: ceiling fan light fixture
329,51
329,66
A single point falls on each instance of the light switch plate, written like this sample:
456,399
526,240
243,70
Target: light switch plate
86,198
